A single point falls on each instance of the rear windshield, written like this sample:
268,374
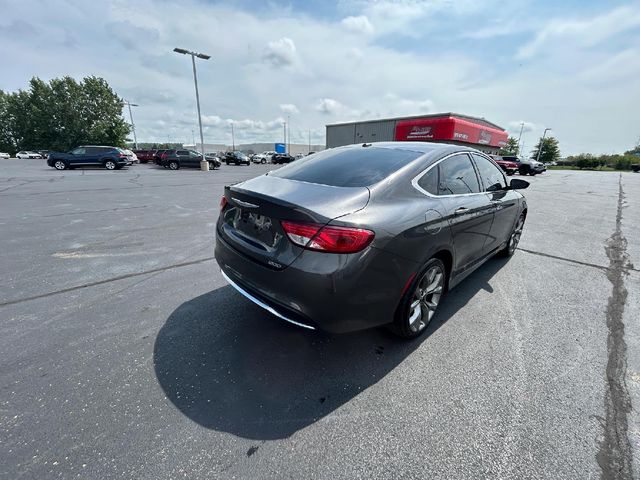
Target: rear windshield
353,167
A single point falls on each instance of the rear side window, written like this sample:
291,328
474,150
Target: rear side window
429,181
491,176
457,176
351,167
182,152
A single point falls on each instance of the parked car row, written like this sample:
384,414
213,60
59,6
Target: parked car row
511,164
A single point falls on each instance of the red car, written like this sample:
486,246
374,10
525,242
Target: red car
508,166
145,156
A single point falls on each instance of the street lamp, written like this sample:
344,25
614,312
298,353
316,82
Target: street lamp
289,134
233,139
204,165
133,126
542,143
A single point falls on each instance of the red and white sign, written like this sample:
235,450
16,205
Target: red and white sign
449,128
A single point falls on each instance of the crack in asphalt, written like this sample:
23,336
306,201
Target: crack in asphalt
629,266
106,280
614,455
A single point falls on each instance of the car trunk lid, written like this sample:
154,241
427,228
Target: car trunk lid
250,222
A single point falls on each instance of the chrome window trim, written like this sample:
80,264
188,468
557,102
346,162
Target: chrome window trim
480,154
417,178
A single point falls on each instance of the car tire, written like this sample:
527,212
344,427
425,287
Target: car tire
110,164
173,165
60,165
514,238
228,163
263,161
420,303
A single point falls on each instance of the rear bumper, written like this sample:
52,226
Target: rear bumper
334,293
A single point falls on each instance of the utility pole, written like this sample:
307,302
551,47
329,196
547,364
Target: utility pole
289,129
193,138
233,139
542,143
309,141
133,126
284,129
204,165
520,136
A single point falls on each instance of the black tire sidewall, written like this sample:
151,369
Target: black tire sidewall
400,325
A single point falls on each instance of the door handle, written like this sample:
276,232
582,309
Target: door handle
460,210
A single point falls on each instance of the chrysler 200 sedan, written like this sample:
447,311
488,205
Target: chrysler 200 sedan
367,235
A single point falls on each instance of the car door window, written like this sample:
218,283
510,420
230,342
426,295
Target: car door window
182,153
429,181
79,151
457,176
491,176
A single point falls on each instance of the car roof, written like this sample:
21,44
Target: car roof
419,147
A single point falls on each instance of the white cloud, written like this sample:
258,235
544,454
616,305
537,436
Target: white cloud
329,106
280,53
317,64
583,32
359,24
514,126
289,108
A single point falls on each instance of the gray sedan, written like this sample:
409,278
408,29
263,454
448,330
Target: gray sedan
367,235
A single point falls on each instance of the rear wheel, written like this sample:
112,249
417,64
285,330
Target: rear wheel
263,161
421,301
59,165
173,165
110,165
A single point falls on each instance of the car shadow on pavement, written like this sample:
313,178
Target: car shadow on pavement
229,366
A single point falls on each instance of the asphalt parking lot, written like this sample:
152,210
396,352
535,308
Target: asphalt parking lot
124,353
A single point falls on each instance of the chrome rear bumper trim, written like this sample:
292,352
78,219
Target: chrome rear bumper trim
260,303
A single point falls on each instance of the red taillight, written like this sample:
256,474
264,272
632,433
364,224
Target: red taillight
223,202
122,155
328,239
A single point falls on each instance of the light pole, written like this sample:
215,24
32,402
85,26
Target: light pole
133,125
204,165
233,139
284,129
520,136
542,143
289,134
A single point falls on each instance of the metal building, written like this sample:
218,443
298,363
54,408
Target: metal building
441,127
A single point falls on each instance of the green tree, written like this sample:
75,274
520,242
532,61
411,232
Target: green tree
511,147
550,150
61,114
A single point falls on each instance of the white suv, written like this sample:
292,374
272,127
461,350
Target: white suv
264,157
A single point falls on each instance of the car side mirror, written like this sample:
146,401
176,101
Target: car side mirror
518,184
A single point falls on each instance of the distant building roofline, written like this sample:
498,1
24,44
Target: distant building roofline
482,121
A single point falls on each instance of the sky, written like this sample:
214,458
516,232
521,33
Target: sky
572,66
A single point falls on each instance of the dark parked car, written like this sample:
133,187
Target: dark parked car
635,167
366,235
282,158
213,159
111,158
175,159
237,158
145,156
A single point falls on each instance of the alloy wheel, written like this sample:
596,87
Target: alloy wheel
60,165
110,165
515,236
426,298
